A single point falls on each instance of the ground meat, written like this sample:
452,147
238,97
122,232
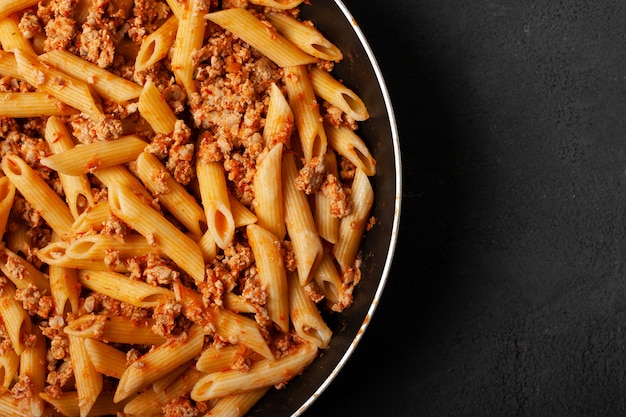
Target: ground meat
23,388
180,407
145,17
347,169
29,25
34,302
88,130
340,204
181,153
158,271
311,175
237,257
242,360
167,319
289,257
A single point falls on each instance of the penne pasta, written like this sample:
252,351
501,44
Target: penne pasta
272,275
278,4
306,242
279,120
305,316
64,289
38,193
353,225
306,111
246,26
88,381
189,39
105,358
172,195
83,159
348,144
33,369
7,194
216,202
150,402
158,362
236,405
306,37
268,193
35,104
21,272
69,90
15,318
9,364
153,107
114,329
122,288
8,7
156,46
105,83
263,373
76,188
11,37
152,225
330,89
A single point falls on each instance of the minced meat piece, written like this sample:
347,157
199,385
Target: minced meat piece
180,407
167,319
34,302
340,204
29,25
311,175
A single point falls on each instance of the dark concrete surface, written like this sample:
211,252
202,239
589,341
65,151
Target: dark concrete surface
508,292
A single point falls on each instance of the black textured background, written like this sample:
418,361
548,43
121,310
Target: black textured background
508,295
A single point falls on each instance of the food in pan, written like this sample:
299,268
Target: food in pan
182,200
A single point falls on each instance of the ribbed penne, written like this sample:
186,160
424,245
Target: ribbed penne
87,158
34,104
301,229
189,38
7,194
153,107
9,406
21,272
156,46
107,84
15,318
353,225
118,176
215,359
64,289
230,326
326,222
11,37
9,364
268,193
271,273
305,37
106,359
39,194
305,316
69,90
348,144
33,368
88,381
216,202
77,188
242,215
159,361
236,405
277,4
263,373
328,279
122,288
8,7
156,228
306,111
92,219
150,402
8,65
330,89
172,195
67,404
55,253
246,26
114,329
279,121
